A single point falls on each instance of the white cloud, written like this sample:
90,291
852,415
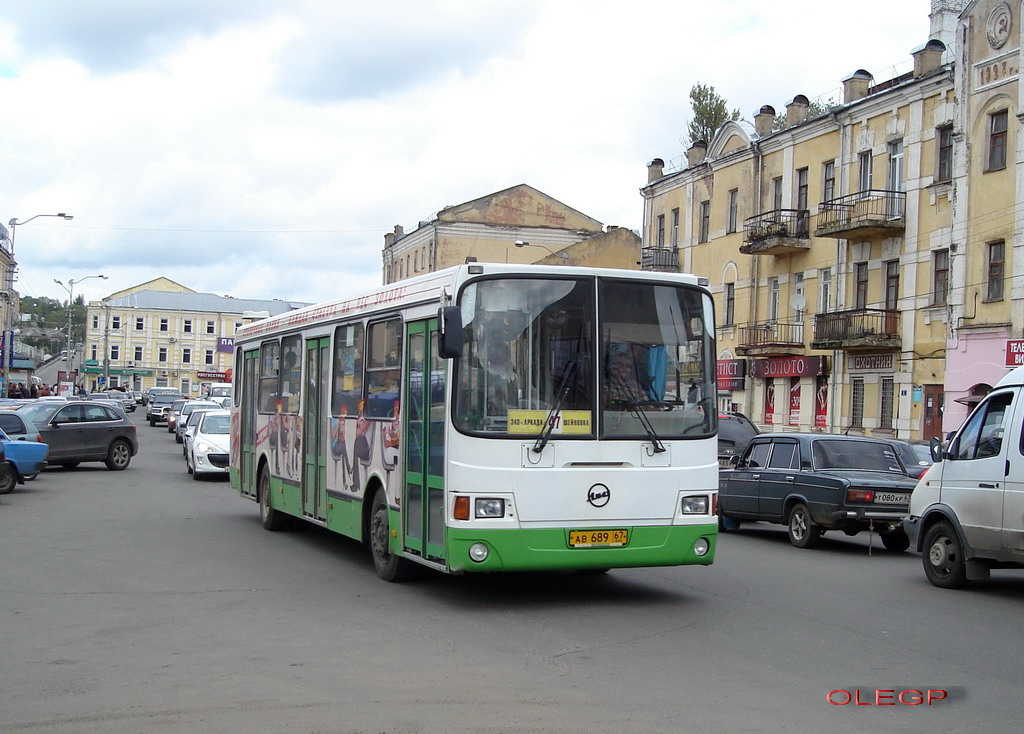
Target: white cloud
263,149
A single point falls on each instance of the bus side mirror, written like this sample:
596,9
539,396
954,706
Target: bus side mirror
449,326
935,449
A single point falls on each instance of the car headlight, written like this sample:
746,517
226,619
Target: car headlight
490,507
205,448
696,504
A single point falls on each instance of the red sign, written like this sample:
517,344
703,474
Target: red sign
212,376
731,374
821,402
794,401
788,367
1014,352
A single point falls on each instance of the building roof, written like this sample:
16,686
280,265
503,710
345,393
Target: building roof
157,300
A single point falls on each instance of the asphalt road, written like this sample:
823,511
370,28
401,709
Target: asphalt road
143,601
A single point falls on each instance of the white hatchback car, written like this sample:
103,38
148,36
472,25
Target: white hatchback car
208,444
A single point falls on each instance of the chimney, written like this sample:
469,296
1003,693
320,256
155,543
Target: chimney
389,239
655,170
856,86
943,20
697,153
928,58
796,111
764,120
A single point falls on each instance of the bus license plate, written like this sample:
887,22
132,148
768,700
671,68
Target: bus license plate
598,538
892,498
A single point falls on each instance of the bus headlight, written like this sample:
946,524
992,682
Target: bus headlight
695,505
701,547
478,552
490,507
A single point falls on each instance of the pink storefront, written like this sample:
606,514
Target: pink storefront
974,363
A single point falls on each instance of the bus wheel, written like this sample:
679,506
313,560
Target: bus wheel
943,557
272,519
389,566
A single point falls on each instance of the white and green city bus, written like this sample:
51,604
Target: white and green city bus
490,417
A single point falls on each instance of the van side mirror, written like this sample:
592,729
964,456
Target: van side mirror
935,449
449,326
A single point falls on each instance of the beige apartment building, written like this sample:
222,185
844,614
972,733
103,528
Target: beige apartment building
862,259
161,333
516,225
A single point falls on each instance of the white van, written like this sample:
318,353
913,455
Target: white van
219,392
967,512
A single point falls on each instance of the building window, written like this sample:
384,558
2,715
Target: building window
997,141
95,322
660,234
857,402
675,228
824,290
186,355
138,354
799,302
828,178
730,304
773,299
940,277
211,327
140,323
705,221
115,322
734,209
887,407
115,352
944,154
996,270
860,296
164,325
187,328
892,284
895,182
864,164
801,189
208,359
777,193
162,354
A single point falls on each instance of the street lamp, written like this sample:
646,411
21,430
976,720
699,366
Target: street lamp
10,298
70,288
562,255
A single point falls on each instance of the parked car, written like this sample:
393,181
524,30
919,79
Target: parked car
127,401
85,430
148,395
159,404
24,460
915,457
967,514
734,433
209,444
186,410
815,482
18,427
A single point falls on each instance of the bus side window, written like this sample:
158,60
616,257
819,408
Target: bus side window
383,367
348,370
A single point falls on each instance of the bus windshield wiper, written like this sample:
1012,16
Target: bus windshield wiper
568,377
634,409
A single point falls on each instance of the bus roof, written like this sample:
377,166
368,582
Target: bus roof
429,287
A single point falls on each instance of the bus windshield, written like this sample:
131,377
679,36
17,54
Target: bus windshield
530,367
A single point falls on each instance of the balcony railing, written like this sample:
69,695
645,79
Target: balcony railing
860,328
777,232
660,259
875,211
771,336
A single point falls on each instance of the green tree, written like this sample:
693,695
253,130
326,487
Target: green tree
710,112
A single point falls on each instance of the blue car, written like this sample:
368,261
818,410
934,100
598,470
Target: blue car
21,459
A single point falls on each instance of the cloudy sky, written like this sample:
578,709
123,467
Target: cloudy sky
262,148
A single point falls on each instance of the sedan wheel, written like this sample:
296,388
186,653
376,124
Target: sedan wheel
803,533
7,480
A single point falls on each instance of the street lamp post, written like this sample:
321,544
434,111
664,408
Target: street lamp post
9,289
561,255
70,288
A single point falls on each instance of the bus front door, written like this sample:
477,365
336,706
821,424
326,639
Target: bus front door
424,442
247,414
314,474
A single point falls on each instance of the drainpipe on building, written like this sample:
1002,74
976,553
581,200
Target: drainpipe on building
838,361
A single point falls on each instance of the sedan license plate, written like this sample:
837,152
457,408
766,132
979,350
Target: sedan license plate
892,498
598,538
